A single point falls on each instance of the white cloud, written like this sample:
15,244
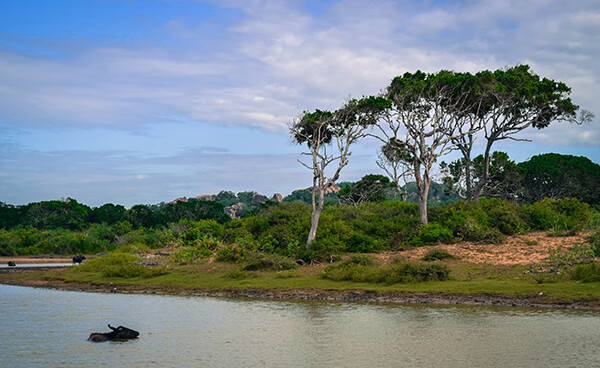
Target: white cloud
263,67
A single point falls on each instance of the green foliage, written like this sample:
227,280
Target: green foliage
431,234
437,255
263,261
594,241
133,248
371,188
64,213
561,216
554,175
231,253
107,213
190,254
586,273
120,265
396,272
305,196
578,254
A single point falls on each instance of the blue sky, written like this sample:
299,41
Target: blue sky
145,101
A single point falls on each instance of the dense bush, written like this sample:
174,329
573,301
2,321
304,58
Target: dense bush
561,216
586,273
283,228
437,255
396,272
263,261
578,254
120,265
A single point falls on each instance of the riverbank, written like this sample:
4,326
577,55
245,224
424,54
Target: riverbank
517,273
40,279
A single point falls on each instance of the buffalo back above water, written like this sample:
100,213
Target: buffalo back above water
117,334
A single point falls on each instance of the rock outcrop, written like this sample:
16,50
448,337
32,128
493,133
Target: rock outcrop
277,197
207,197
235,210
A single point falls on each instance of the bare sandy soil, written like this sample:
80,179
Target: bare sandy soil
523,249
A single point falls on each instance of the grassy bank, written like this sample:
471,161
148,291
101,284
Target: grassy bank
469,283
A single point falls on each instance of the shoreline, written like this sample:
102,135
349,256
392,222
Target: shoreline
350,295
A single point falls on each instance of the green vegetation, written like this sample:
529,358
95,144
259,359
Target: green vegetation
437,255
282,228
362,269
120,265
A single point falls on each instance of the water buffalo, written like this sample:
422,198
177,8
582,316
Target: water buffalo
11,264
78,258
118,334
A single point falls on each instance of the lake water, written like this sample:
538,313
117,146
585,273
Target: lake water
49,328
38,265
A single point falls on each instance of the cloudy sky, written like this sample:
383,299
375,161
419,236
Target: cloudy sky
149,100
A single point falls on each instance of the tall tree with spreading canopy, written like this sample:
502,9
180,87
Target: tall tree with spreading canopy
427,109
328,136
513,100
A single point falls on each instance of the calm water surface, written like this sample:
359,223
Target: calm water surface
49,328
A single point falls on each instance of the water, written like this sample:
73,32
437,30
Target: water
36,265
49,328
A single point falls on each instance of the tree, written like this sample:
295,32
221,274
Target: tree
371,188
396,161
428,108
553,175
194,210
64,213
227,198
141,215
513,100
504,179
328,136
108,213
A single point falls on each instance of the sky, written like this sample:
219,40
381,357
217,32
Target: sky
144,101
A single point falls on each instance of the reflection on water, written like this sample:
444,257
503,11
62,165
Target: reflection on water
48,328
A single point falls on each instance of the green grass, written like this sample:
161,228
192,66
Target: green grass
466,278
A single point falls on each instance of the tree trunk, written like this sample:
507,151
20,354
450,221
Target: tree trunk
486,171
423,183
316,214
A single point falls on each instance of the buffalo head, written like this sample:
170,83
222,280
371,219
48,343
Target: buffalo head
118,334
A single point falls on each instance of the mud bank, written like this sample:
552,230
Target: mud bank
365,296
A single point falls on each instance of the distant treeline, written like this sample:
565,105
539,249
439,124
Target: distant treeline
72,215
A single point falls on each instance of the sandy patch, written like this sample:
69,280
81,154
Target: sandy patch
523,249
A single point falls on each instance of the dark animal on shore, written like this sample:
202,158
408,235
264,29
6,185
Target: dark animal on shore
11,264
118,334
78,258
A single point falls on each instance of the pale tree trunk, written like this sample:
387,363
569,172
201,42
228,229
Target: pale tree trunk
423,194
486,172
423,182
316,214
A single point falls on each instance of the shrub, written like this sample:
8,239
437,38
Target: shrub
133,248
120,265
190,254
594,241
561,216
431,234
396,272
586,273
437,254
578,254
263,261
230,253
